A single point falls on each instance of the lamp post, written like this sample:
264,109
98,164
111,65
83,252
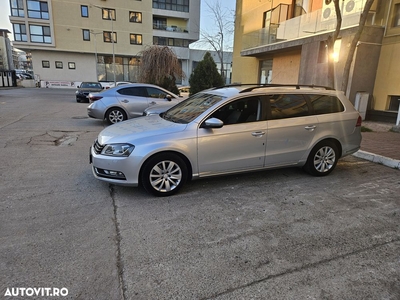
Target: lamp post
112,39
95,51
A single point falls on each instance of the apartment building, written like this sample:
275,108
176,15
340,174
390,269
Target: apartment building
6,59
284,41
73,41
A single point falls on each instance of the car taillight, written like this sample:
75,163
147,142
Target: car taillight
359,121
95,98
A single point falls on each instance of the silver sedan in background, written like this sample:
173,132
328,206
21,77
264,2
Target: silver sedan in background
128,101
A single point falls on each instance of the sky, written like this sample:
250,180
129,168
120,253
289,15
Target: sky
205,15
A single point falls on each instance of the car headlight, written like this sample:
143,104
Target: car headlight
122,150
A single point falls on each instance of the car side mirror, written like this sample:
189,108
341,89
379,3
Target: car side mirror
168,97
213,123
79,86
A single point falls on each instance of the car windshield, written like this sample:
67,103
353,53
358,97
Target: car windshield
189,109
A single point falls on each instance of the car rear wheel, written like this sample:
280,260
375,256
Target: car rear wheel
322,159
115,115
164,174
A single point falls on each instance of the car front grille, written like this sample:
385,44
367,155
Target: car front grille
97,147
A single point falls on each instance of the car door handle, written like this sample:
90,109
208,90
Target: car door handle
125,101
310,127
258,133
152,102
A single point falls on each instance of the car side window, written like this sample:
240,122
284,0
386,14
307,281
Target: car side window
240,111
133,91
156,93
325,104
288,106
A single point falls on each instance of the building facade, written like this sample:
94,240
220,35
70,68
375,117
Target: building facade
284,41
6,56
73,41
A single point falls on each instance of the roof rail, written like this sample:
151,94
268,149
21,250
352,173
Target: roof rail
297,86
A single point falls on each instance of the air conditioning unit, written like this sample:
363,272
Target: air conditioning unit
328,10
352,7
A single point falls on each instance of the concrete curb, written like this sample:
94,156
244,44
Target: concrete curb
383,160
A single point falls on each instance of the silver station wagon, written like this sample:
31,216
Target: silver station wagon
229,130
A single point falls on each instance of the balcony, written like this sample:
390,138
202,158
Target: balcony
169,28
310,24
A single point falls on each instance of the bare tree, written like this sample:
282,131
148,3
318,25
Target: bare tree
331,44
160,66
223,20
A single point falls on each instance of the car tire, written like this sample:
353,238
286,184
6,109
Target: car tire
164,174
115,115
322,159
77,100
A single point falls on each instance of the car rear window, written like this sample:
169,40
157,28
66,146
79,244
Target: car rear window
325,104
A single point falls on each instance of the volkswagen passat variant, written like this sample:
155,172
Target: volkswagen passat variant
229,130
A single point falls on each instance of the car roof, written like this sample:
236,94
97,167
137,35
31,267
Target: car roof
234,89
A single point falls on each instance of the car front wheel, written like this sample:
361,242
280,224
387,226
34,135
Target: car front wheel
115,115
164,174
322,159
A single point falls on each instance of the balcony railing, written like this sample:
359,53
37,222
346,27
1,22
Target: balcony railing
316,22
169,28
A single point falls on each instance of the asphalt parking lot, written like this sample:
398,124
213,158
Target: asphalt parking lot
279,234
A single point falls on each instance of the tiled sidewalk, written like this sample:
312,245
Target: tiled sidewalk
381,145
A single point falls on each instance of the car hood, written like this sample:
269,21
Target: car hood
134,129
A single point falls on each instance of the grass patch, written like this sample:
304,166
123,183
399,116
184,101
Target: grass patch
366,129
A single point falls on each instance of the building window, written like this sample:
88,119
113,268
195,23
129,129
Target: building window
160,23
107,37
176,5
108,14
84,11
135,17
17,8
38,9
136,39
86,34
45,64
396,18
40,34
178,42
71,65
20,33
157,40
59,65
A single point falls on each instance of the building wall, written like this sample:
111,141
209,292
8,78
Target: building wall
387,81
286,67
67,44
249,16
388,70
375,68
85,69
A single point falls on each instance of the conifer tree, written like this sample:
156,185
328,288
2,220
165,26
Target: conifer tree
205,75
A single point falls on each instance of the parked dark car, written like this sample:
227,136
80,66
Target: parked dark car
85,88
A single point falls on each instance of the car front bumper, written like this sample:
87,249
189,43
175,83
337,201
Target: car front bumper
116,170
